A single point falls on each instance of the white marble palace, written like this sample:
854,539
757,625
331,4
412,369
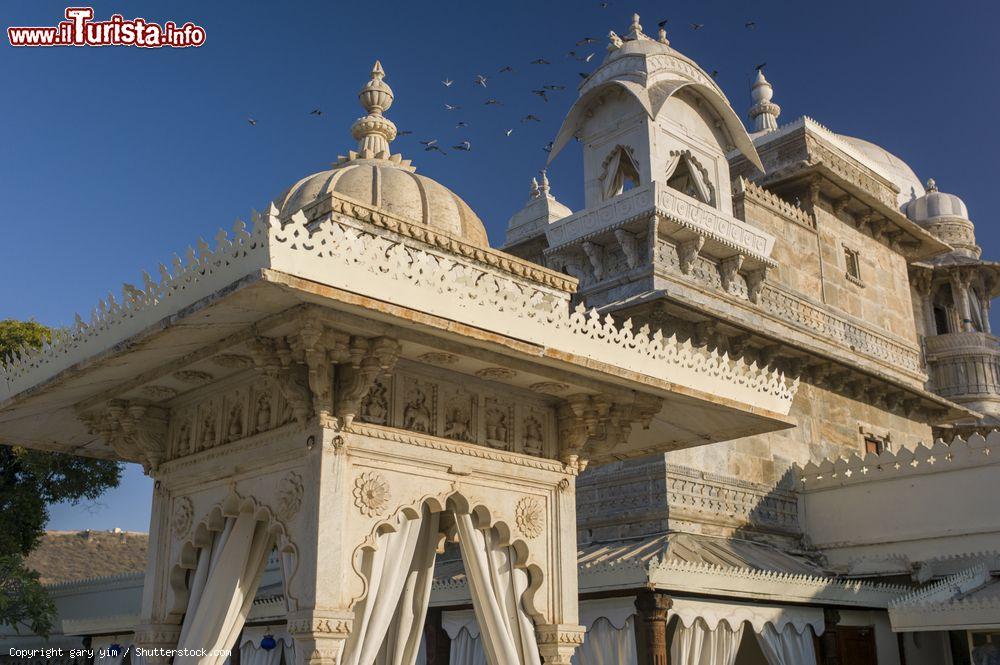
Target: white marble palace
735,411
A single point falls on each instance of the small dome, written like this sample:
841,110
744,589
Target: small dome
373,176
935,204
892,167
394,188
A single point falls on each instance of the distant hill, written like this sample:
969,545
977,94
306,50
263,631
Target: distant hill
66,556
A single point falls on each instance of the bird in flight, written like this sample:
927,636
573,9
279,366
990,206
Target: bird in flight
583,75
464,145
403,132
541,61
760,66
505,68
461,124
493,102
437,148
697,26
447,83
663,23
429,142
715,72
554,88
316,112
531,118
251,121
508,132
586,40
480,80
540,93
548,147
604,5
750,25
451,107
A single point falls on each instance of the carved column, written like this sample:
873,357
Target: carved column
960,292
556,643
156,630
828,654
437,642
653,607
319,636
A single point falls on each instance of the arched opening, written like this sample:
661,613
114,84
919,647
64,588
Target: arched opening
621,173
687,176
944,308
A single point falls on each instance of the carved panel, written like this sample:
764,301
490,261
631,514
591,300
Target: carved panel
418,408
459,414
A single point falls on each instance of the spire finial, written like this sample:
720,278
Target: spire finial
663,36
635,23
764,113
374,132
931,185
534,188
544,186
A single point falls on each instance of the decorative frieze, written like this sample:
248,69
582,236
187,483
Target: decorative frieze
451,406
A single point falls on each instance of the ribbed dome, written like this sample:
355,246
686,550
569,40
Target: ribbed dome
394,188
373,176
935,204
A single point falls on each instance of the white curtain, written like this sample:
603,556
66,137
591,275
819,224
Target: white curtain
398,573
404,640
788,647
697,645
466,649
497,587
604,644
222,588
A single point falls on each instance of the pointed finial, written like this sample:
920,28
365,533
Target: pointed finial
616,41
635,23
374,132
931,185
764,113
544,186
663,37
534,188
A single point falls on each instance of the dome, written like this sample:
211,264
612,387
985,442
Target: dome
372,176
935,204
890,166
394,188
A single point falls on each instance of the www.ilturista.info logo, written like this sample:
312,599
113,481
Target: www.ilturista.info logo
79,29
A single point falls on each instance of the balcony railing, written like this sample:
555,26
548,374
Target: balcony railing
964,364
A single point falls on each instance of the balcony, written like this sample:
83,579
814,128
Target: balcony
964,366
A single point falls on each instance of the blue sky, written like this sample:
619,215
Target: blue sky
117,157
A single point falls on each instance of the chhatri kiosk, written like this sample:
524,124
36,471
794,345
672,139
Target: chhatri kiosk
356,378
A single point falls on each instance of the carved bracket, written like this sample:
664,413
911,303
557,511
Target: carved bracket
728,270
136,431
595,424
688,251
596,255
368,360
755,283
630,247
273,358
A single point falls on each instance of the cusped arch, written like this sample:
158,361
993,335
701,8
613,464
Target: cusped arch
203,536
455,500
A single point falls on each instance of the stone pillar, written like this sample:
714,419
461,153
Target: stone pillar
557,642
156,630
319,636
960,293
987,328
653,607
436,640
828,654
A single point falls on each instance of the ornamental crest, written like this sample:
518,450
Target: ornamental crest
371,493
183,516
290,496
529,517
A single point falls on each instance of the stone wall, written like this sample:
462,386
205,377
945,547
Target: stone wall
827,425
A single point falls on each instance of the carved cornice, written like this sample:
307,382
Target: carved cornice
593,425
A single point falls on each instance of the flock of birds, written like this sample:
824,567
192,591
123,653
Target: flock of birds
580,53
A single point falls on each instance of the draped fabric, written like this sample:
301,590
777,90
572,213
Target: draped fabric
467,649
222,588
613,176
404,640
789,647
722,644
398,573
497,587
688,643
604,644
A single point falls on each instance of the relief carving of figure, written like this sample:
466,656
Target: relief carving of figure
375,407
458,423
534,436
497,429
263,422
417,414
208,430
235,430
184,438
